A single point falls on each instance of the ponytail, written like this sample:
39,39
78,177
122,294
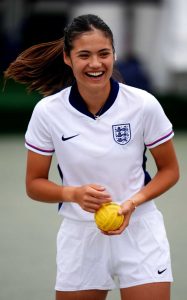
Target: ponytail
42,68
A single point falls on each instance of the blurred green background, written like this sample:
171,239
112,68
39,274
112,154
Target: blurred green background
16,106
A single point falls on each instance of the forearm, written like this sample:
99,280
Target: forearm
43,190
90,197
161,182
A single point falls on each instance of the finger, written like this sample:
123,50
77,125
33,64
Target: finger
99,194
105,200
116,232
90,210
92,199
124,211
97,202
93,206
97,187
119,230
99,191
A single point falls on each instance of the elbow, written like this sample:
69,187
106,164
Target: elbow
176,175
29,191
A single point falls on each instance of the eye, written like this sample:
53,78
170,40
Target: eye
83,56
104,54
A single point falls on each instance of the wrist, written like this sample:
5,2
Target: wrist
133,204
68,193
138,199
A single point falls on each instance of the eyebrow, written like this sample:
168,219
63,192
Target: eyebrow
87,51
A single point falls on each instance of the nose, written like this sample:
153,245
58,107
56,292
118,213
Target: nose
95,62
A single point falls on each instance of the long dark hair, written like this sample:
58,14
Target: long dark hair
42,68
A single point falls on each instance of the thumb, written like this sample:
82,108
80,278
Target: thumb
123,210
120,211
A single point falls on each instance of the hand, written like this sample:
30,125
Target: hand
90,197
126,209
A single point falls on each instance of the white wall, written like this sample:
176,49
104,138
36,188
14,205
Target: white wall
177,35
150,37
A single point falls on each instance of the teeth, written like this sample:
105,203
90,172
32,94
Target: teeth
95,74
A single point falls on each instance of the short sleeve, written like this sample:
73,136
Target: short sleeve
38,137
157,127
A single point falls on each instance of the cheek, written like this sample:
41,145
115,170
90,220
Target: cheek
110,65
110,62
78,66
76,71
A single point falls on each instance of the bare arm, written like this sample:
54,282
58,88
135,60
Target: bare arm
166,176
40,188
167,173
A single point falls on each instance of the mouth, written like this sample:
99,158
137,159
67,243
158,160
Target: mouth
95,74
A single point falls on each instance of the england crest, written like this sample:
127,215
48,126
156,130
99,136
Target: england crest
121,133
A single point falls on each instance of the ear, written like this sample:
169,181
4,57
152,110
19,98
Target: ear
67,59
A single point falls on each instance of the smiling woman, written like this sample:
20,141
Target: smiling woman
99,130
92,67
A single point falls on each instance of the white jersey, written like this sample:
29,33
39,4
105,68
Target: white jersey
108,151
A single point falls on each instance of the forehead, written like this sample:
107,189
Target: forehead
91,40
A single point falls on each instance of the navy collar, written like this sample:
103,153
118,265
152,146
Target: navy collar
78,103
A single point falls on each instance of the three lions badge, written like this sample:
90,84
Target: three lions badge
121,133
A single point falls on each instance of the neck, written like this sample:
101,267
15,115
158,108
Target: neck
95,99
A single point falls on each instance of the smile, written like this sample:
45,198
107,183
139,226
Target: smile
95,74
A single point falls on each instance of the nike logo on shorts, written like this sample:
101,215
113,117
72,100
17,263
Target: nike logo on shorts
161,271
69,137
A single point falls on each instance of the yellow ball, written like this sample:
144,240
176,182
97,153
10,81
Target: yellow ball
107,217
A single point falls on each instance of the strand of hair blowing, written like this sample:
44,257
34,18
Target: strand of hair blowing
42,68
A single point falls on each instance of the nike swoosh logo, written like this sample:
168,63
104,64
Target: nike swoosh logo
162,271
69,137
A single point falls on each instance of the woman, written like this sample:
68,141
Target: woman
99,129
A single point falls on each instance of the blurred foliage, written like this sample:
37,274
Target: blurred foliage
16,106
15,97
